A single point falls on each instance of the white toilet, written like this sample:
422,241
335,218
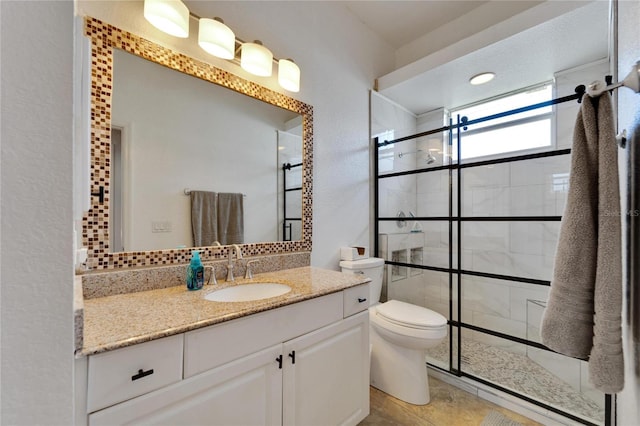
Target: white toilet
400,332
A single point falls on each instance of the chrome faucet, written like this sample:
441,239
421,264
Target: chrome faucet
212,275
249,271
235,247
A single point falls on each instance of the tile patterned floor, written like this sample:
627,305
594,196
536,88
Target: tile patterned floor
449,406
521,374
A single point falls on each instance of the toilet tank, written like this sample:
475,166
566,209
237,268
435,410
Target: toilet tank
371,267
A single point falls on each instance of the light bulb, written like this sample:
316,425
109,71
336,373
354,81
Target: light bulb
216,38
256,59
289,75
169,16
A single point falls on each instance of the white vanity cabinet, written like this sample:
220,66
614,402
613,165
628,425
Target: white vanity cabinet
247,391
301,364
324,375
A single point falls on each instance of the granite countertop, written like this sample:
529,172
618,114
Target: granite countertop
117,321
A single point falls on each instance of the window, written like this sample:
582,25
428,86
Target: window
528,130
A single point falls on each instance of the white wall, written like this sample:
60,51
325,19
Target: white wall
339,59
629,118
36,210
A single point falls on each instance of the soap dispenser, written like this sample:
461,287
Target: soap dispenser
195,272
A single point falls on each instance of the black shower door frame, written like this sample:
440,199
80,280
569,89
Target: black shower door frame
455,220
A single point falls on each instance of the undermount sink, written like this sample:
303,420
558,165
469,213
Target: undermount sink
248,292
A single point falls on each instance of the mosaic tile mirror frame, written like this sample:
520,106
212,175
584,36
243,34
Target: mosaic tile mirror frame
95,227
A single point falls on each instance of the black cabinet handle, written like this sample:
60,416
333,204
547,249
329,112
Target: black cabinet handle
362,299
141,374
279,361
292,355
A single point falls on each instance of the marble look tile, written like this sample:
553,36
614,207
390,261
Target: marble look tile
435,204
484,296
485,236
535,310
526,237
433,183
438,257
499,324
528,200
492,176
394,200
550,235
490,202
403,291
566,369
519,297
490,261
527,265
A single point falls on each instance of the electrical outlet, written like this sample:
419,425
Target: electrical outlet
164,226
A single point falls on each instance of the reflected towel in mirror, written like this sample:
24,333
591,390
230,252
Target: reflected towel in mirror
204,217
216,217
230,218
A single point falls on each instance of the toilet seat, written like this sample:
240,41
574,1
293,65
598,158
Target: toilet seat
408,326
412,316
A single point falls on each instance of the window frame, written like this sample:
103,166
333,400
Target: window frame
551,115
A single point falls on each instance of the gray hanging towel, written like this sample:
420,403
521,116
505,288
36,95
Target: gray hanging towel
204,218
583,313
230,218
606,366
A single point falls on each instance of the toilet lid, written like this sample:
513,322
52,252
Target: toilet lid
410,315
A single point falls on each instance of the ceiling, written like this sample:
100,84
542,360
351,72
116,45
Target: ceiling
401,22
523,49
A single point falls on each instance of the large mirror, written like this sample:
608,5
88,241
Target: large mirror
167,129
174,134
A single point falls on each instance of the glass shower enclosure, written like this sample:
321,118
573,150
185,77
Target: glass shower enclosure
474,239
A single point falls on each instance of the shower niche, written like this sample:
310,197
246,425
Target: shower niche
403,282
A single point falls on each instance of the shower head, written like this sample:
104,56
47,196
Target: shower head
430,158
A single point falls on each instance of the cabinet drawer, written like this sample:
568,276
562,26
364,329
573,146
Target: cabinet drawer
356,299
128,372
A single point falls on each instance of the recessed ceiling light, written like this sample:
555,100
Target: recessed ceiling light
485,77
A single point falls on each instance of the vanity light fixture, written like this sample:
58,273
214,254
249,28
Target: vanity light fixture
289,75
256,59
482,78
216,38
169,16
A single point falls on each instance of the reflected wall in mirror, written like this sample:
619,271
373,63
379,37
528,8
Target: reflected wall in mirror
196,131
179,133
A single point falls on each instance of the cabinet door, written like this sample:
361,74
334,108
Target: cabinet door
244,392
326,375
